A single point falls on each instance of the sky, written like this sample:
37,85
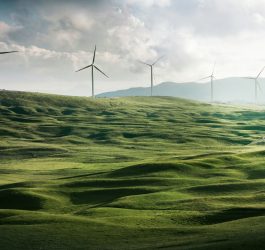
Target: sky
56,38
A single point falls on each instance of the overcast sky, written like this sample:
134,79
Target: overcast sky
55,38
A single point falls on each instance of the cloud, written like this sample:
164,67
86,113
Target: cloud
6,29
58,37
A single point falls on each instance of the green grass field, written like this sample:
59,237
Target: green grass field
130,173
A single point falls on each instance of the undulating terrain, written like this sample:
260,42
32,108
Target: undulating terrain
130,173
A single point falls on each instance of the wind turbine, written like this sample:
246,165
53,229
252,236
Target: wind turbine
8,52
152,71
92,65
257,85
212,77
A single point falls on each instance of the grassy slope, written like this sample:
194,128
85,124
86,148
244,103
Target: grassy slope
129,173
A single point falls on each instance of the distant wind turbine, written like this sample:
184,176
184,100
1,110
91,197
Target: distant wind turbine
257,85
8,52
212,77
152,71
92,65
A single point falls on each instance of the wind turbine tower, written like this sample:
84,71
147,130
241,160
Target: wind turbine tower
93,66
152,71
212,77
257,85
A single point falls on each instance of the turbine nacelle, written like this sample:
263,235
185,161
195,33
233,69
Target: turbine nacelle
151,64
210,76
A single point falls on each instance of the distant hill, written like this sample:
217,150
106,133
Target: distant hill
225,90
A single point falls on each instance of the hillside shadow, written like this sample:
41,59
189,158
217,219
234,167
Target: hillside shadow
16,199
151,168
232,214
105,196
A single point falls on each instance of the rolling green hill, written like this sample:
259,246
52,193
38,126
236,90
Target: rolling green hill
130,173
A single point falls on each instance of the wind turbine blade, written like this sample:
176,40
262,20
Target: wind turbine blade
144,63
84,68
158,60
100,71
214,68
7,52
260,72
94,56
207,77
